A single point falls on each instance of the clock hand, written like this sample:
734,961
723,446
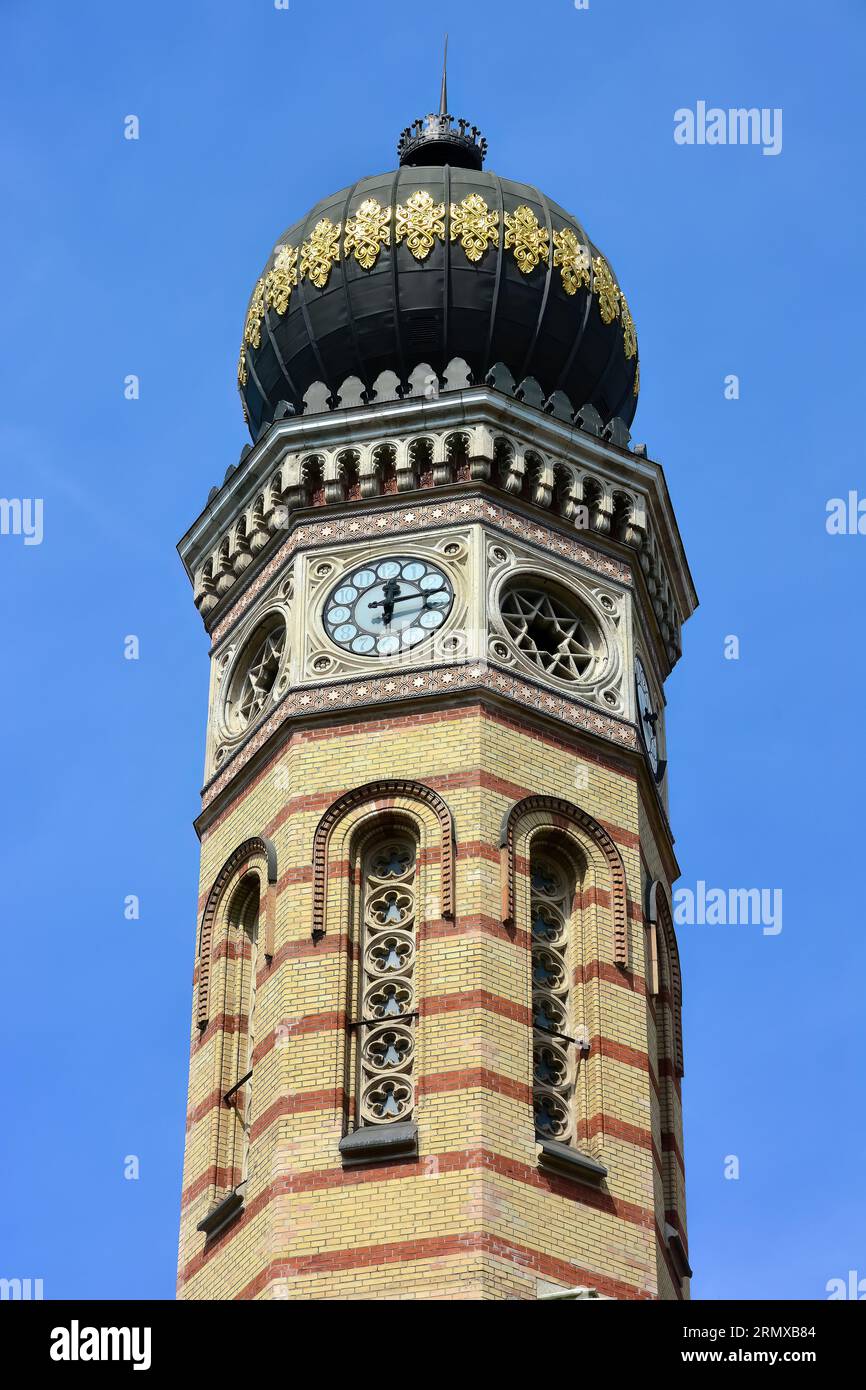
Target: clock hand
389,597
405,599
388,611
387,605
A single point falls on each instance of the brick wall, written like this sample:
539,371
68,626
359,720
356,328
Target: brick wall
474,1216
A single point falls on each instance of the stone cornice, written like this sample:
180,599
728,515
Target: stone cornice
550,463
415,684
406,515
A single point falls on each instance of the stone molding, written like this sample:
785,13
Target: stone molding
409,447
402,520
659,915
548,810
402,685
386,793
246,858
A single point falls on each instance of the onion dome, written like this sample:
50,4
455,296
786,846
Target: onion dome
436,260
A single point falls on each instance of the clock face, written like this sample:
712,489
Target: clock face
388,606
647,718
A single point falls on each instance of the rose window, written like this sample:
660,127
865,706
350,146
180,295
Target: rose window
550,629
255,676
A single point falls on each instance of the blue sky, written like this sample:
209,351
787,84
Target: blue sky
138,257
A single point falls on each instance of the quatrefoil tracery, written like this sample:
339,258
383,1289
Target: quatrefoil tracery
393,861
553,1055
386,1099
386,1047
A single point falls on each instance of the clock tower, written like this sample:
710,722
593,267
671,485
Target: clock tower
436,1033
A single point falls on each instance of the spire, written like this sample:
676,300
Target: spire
443,100
438,139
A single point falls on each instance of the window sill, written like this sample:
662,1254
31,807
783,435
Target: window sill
222,1214
561,1158
379,1144
678,1252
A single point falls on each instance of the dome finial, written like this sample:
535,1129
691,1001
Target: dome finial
438,139
443,100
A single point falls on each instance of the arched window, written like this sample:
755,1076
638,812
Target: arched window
240,1003
564,887
554,1059
235,996
386,992
664,988
667,1072
383,871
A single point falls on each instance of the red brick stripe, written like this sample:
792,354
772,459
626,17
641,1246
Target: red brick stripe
572,745
297,1103
221,1178
437,1247
474,1078
468,779
475,999
453,1162
612,1128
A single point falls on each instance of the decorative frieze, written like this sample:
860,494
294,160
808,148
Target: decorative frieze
582,494
397,521
401,685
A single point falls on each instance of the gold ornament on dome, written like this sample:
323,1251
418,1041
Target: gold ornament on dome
281,279
629,336
528,238
320,251
242,367
474,225
607,290
255,314
420,222
572,258
636,387
367,232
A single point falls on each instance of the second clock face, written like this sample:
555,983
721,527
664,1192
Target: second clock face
647,717
388,606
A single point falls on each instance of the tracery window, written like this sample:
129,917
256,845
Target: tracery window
255,675
385,1035
554,1060
665,1073
551,629
236,1062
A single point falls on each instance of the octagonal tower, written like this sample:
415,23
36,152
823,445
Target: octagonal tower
436,1035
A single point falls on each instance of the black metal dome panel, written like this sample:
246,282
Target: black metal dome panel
401,269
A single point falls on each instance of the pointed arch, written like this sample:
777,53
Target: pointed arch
557,810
